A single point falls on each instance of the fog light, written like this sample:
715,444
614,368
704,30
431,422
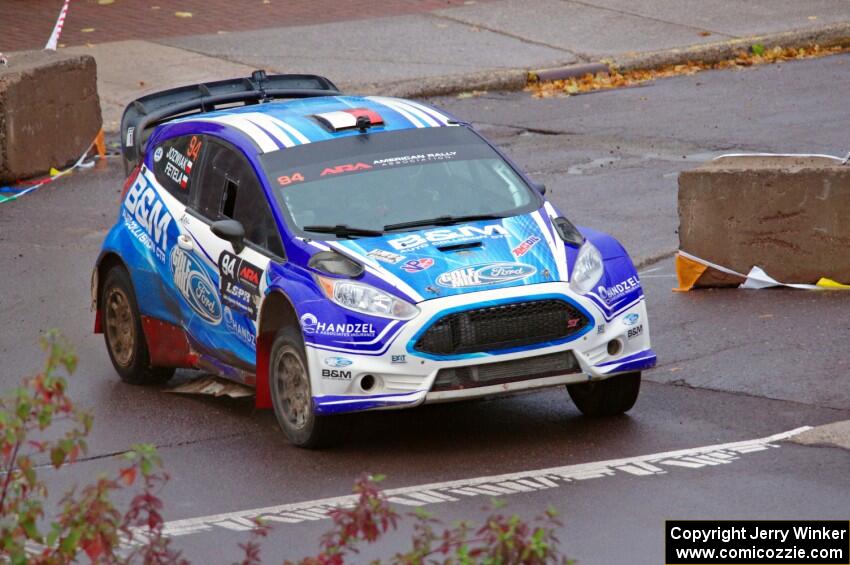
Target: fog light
367,383
615,347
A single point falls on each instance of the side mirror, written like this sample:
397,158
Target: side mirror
568,232
232,231
539,187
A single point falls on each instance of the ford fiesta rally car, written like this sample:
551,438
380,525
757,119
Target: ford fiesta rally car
346,253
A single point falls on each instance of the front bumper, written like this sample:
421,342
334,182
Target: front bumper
613,343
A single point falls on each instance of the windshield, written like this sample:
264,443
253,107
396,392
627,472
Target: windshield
383,181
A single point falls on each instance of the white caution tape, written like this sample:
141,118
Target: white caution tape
756,278
53,42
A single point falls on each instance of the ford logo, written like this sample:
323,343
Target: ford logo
193,282
484,275
337,362
631,319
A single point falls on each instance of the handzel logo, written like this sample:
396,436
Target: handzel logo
195,285
312,326
613,293
415,241
484,275
347,168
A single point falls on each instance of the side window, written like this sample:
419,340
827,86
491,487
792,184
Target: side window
232,190
173,165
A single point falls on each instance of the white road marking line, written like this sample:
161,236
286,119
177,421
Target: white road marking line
499,485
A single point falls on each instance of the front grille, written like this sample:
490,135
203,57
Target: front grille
499,327
560,363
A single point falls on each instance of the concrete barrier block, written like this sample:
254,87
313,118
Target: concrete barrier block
49,111
789,215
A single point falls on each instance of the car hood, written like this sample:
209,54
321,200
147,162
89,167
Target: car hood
462,258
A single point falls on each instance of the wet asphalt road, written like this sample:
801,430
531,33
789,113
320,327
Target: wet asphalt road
733,365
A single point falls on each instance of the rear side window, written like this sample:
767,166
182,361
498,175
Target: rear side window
174,164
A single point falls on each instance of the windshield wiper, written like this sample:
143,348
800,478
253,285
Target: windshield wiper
342,230
442,221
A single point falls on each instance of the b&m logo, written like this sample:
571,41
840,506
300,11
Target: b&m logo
195,285
454,235
485,275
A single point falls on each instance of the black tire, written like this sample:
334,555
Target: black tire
291,393
122,332
608,397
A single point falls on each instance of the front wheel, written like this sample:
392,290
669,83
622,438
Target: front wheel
122,331
292,398
608,397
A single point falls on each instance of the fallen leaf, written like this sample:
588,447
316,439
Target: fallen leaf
183,14
154,7
128,475
813,17
87,30
705,33
674,369
763,316
105,2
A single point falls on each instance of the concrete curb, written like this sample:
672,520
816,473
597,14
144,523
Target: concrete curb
516,79
825,36
512,79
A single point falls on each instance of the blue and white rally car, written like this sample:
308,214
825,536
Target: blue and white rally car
345,253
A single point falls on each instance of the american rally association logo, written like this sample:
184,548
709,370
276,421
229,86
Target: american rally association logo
417,265
485,275
195,285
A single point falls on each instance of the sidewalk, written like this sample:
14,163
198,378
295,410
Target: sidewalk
408,43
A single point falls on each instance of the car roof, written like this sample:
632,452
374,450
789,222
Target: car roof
280,124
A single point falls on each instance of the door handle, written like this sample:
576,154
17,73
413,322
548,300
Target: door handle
184,242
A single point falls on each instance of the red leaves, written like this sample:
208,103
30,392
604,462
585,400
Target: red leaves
128,475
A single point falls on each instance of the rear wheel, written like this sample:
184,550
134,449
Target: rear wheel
608,397
122,332
292,398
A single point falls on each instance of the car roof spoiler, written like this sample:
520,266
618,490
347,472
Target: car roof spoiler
141,115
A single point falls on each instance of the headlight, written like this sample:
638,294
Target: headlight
587,270
367,299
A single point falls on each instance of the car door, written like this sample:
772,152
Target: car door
229,189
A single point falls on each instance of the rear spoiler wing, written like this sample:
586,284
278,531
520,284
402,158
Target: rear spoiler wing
141,115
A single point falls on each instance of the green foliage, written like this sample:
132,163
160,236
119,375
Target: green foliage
89,523
757,49
40,424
